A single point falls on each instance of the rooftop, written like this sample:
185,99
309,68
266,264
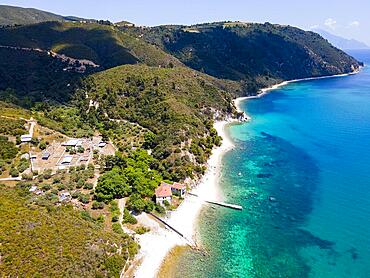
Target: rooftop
67,159
71,143
26,137
164,190
178,186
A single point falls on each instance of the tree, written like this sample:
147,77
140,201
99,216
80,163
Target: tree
112,185
136,203
149,140
14,172
42,145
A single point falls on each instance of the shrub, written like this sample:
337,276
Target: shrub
128,217
115,218
88,186
45,187
57,180
83,198
14,172
42,145
80,183
142,230
47,174
160,209
97,205
116,227
61,186
27,177
23,165
75,194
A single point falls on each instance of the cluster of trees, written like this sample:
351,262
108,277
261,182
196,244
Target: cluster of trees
19,168
130,176
67,120
13,127
8,150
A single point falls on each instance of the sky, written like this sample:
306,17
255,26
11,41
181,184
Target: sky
347,18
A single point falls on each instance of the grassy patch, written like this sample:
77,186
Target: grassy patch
58,242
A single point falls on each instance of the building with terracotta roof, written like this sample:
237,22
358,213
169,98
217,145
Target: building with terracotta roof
178,189
163,193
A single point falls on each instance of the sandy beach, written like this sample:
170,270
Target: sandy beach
159,241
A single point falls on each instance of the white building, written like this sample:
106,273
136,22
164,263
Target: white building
26,138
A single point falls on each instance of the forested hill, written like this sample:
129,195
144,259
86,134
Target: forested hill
258,53
103,44
10,15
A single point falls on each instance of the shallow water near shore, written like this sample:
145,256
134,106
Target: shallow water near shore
300,169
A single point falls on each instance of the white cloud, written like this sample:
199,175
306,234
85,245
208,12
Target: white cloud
330,23
354,24
313,27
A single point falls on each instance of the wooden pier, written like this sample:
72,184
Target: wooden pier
222,204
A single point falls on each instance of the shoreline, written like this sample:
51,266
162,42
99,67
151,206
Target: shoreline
156,244
267,90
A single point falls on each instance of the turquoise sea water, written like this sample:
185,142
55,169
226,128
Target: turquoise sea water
304,183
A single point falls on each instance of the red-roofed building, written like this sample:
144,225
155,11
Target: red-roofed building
163,193
178,189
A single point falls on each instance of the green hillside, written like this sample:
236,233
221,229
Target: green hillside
56,242
258,53
102,44
10,15
28,77
176,104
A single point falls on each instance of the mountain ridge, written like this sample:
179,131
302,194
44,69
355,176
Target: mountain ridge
342,43
12,15
269,54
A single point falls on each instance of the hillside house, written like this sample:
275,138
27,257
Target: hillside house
178,189
163,193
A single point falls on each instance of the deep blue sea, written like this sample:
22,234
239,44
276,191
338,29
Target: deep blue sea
301,170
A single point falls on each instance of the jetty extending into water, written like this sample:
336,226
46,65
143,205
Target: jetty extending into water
222,204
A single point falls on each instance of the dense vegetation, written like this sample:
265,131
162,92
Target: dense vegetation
177,105
27,77
103,44
14,127
258,54
130,176
8,150
57,242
